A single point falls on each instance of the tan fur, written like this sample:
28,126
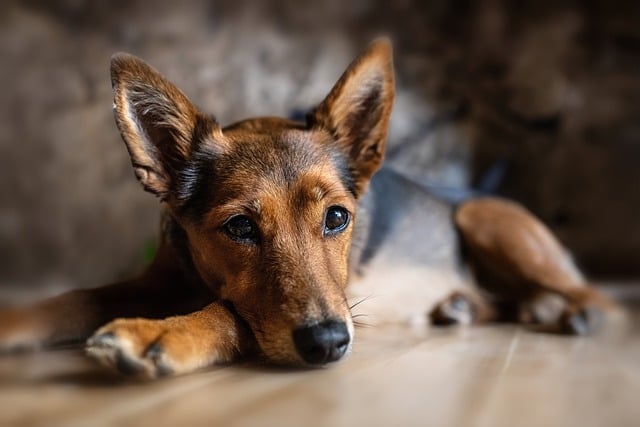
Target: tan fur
297,255
374,70
513,247
211,296
179,344
297,276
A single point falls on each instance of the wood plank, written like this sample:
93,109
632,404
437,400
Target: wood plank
483,376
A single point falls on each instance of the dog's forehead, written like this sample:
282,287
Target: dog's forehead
257,158
279,155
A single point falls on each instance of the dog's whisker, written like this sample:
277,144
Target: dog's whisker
355,316
351,307
362,325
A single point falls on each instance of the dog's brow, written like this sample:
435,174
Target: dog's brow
324,190
239,206
315,188
318,192
255,206
314,193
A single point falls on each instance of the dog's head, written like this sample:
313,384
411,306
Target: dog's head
268,205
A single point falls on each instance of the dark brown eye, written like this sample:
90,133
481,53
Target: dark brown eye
241,228
336,220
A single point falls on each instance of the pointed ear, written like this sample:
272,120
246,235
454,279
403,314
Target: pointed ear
159,125
356,112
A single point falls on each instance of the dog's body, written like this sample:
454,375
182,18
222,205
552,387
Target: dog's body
267,220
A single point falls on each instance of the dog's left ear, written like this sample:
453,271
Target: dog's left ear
356,112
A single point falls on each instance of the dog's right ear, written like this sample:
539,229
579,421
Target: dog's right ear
159,125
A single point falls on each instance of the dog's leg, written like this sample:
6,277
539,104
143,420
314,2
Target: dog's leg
75,315
175,345
463,307
521,258
69,317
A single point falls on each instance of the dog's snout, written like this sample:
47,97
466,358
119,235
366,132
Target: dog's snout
323,342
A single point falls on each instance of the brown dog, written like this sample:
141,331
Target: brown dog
267,220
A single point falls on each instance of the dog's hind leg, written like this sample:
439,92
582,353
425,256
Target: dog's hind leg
75,315
515,257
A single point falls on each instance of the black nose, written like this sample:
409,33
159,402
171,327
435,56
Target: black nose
322,343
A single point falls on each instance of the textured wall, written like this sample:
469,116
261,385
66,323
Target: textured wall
550,97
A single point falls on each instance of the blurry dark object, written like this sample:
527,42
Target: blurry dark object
552,92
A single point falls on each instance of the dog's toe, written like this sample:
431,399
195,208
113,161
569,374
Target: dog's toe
105,340
130,365
581,320
457,309
121,349
109,350
148,348
156,353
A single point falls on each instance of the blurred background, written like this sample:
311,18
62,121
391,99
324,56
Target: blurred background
538,101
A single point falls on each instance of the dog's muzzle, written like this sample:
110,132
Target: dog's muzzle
322,343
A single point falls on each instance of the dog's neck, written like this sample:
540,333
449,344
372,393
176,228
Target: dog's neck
175,237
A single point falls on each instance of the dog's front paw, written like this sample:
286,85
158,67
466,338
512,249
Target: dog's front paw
152,348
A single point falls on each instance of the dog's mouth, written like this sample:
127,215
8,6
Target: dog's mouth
313,344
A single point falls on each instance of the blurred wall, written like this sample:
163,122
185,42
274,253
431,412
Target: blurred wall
542,98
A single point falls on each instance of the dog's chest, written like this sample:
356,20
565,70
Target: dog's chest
405,254
399,223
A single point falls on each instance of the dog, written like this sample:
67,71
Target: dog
266,221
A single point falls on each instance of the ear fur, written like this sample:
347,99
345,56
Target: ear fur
357,110
158,123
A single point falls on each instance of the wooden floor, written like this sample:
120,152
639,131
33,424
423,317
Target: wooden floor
487,376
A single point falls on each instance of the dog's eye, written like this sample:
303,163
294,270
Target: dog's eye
241,228
336,220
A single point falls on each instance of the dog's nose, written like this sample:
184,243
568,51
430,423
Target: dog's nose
323,342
